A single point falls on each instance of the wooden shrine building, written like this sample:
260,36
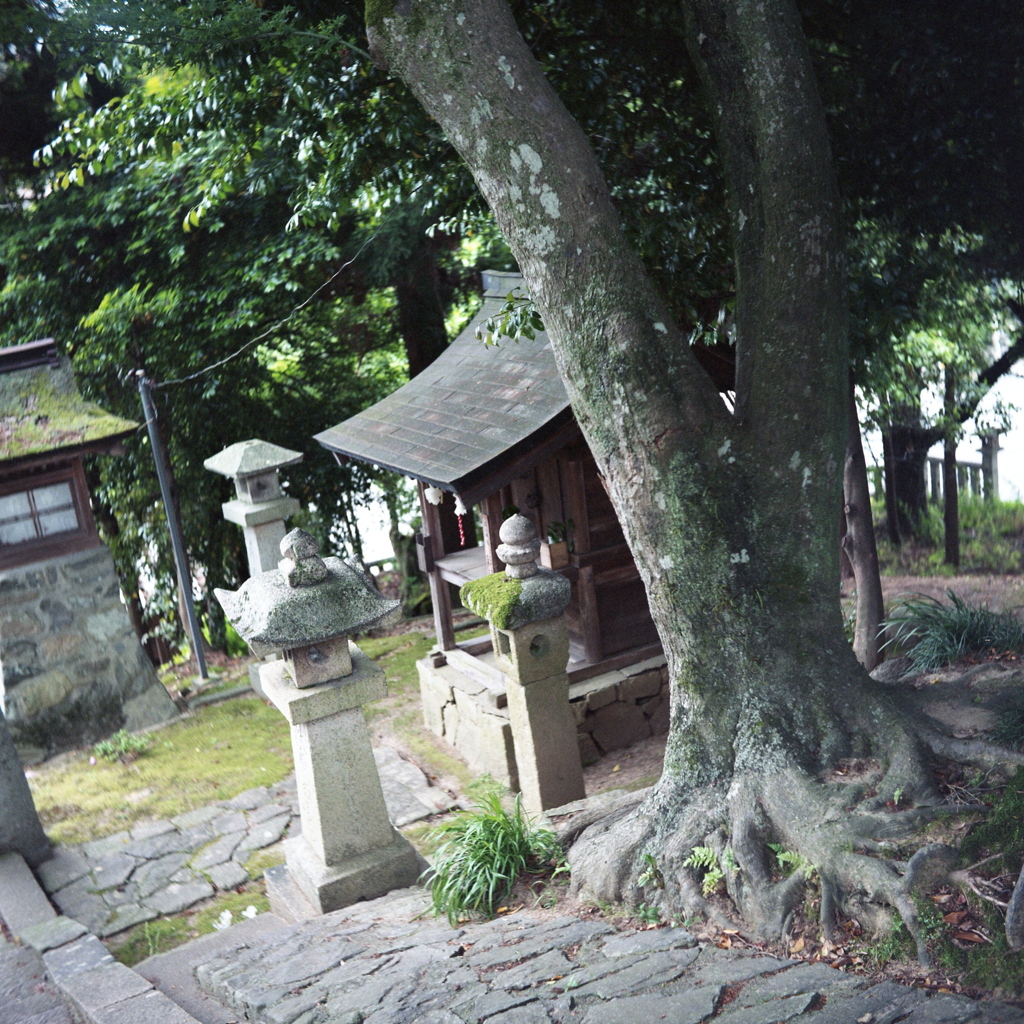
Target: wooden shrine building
491,427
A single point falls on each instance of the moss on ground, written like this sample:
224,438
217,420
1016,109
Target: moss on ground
166,933
268,857
220,751
978,965
1003,830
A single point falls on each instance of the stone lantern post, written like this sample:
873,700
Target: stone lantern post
307,608
259,507
525,606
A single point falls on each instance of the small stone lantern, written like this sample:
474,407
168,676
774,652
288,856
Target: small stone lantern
525,606
307,608
259,506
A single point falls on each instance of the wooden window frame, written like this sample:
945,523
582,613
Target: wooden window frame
66,543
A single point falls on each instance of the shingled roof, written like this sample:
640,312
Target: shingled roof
474,409
41,409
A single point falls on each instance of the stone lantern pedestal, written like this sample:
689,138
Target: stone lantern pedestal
525,606
348,850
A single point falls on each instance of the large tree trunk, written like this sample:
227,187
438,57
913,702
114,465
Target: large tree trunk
730,517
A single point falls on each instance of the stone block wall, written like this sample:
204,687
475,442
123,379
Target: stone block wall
612,710
466,714
72,670
615,709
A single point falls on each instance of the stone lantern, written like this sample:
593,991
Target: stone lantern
259,506
525,606
307,609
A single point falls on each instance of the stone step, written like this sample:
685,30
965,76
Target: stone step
61,974
173,973
22,903
389,961
25,992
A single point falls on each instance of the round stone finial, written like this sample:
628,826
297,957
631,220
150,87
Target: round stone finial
520,548
302,565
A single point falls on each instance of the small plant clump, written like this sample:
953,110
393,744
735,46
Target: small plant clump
938,634
791,862
483,852
122,746
705,860
1009,728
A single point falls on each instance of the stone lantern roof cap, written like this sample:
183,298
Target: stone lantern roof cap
247,458
272,614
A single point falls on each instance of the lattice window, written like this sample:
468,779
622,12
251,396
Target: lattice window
38,513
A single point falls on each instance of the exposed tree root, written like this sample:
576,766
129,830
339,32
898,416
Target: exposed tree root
851,841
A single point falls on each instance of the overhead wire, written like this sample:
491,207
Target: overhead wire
271,329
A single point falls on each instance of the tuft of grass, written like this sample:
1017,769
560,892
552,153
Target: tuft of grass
483,852
123,746
938,634
1009,729
260,860
213,754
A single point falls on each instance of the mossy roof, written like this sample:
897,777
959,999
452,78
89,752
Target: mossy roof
41,410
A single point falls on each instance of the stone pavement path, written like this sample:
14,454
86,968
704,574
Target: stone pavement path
27,996
390,962
164,867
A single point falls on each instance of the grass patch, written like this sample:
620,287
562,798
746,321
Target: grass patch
938,634
220,751
481,853
167,933
991,540
260,860
1003,830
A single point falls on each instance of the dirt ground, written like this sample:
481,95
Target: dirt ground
1000,593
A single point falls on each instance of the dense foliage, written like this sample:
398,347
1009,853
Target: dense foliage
218,163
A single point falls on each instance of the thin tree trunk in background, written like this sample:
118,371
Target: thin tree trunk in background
859,543
421,309
950,488
892,522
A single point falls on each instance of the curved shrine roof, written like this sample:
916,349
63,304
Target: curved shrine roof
474,408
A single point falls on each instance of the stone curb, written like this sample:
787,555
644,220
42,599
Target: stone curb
102,990
204,699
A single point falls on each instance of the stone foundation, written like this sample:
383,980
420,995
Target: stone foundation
464,702
72,670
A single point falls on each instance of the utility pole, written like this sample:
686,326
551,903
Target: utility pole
177,542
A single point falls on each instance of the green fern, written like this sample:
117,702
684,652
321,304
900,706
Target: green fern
792,862
651,873
704,859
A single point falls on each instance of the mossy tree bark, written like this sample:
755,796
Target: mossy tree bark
731,517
